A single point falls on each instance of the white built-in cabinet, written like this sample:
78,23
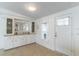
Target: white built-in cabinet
11,40
16,41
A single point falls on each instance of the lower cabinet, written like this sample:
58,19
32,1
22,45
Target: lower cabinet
16,41
30,39
8,42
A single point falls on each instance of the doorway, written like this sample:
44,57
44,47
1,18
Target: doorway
64,35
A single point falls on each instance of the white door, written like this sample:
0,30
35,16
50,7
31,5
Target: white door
63,35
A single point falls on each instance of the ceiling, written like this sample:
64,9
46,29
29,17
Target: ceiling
43,8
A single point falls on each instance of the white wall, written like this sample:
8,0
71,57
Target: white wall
50,41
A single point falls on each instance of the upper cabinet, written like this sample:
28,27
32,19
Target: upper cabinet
9,26
33,27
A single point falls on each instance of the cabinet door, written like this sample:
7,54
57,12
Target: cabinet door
9,26
16,41
8,43
26,39
30,39
19,41
33,26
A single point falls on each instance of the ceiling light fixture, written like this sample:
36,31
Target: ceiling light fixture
32,8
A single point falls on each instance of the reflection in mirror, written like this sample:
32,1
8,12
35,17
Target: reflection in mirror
21,28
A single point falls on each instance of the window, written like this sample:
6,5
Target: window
44,30
63,21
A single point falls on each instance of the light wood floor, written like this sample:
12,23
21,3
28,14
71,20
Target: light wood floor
31,50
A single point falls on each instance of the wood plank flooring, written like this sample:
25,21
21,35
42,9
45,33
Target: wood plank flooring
31,50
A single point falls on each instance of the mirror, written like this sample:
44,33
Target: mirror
22,27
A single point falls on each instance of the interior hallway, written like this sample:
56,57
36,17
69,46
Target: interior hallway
31,50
